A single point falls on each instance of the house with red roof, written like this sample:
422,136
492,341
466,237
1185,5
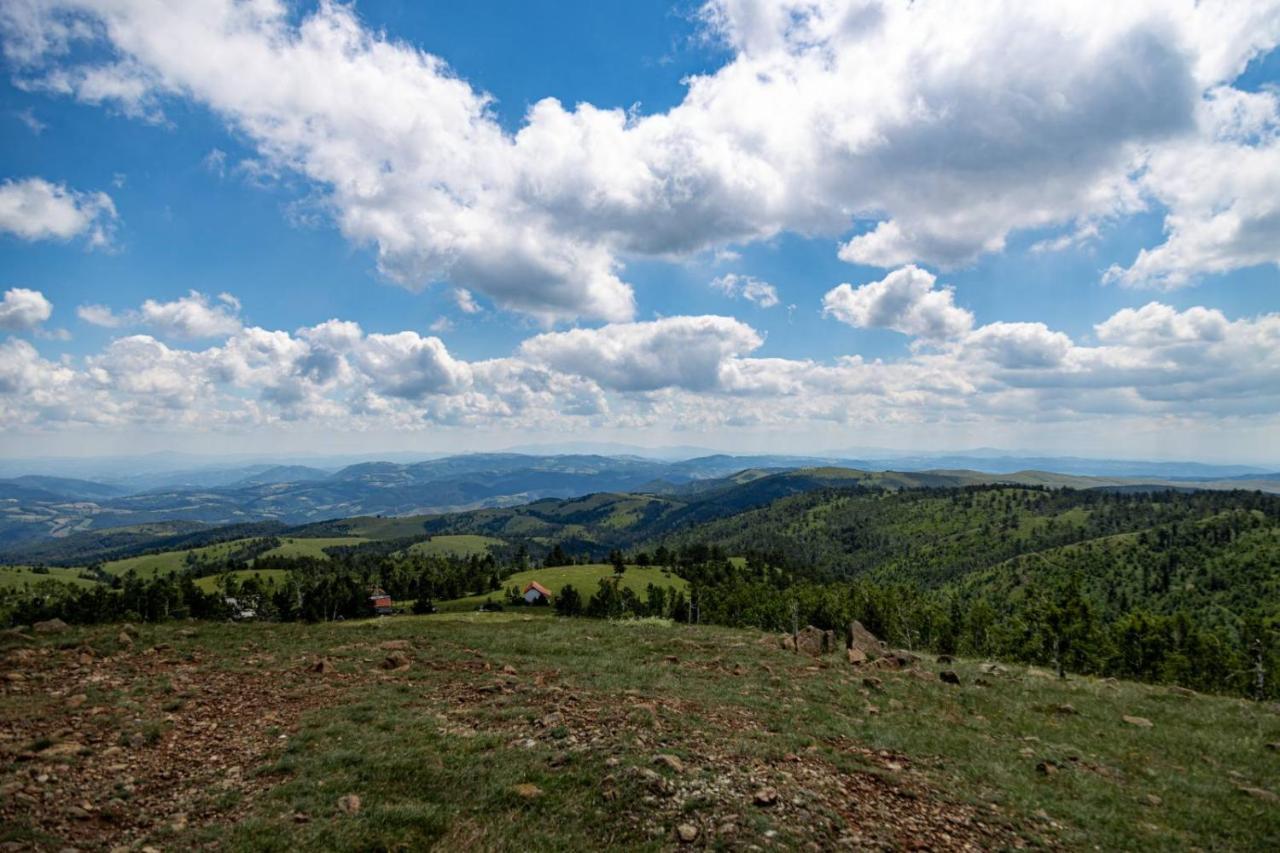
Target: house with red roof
536,593
381,603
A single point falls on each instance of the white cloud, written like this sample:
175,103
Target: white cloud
190,316
947,126
412,367
685,352
1223,194
100,315
23,310
1150,365
905,300
1155,324
35,209
465,301
1019,345
747,287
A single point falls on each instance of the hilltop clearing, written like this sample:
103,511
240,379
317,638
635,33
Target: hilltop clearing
503,731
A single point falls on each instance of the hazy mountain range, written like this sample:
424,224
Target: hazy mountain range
158,489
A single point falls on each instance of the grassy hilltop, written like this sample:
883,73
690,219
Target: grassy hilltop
504,731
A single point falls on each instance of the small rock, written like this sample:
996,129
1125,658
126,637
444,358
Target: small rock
125,639
1140,722
1260,794
671,762
687,833
1153,799
948,676
872,683
527,791
765,797
396,646
77,700
350,804
508,669
1066,709
50,626
1177,690
395,662
322,666
1047,768
62,750
856,657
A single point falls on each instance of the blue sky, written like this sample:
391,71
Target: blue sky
1044,246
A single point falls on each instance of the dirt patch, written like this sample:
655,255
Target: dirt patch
105,751
713,786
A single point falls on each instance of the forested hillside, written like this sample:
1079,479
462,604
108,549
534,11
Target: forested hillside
1173,586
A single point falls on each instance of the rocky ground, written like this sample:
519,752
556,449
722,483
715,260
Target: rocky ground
426,733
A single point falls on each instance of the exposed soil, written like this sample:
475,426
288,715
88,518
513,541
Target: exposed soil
182,742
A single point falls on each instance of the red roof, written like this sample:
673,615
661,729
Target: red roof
539,587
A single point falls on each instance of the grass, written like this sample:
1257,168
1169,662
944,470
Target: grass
269,576
151,565
461,545
584,578
292,547
436,751
393,527
17,577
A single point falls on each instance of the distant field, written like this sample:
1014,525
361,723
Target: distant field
291,547
150,565
269,576
16,577
373,527
584,578
461,545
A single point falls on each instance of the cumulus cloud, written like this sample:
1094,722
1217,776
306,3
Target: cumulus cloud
1019,345
747,287
23,310
35,209
684,352
947,127
192,316
905,300
1148,364
1155,324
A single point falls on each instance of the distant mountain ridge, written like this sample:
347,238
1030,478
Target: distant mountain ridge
35,506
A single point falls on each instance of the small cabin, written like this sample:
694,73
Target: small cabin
536,593
240,609
381,603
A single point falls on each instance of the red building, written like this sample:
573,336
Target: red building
381,603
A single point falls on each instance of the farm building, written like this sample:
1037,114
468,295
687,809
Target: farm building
381,603
536,593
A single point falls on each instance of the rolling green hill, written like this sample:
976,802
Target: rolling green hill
269,577
462,545
308,547
585,579
16,578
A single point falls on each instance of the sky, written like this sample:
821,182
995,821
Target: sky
755,225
